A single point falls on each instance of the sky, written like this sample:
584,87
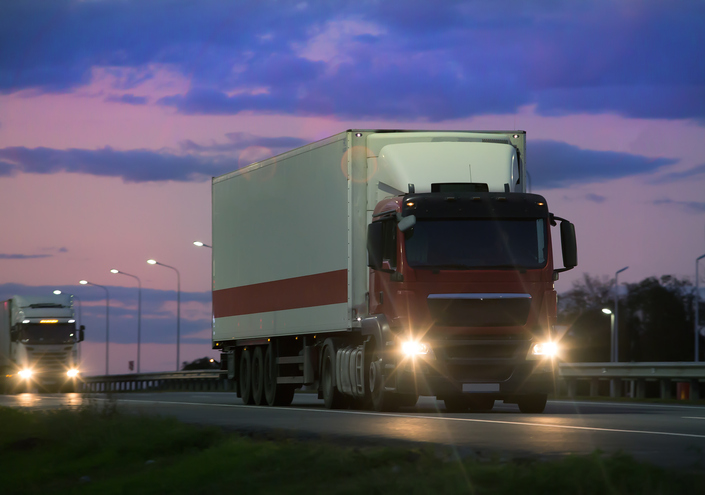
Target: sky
115,114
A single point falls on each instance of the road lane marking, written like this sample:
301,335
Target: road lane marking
692,417
435,418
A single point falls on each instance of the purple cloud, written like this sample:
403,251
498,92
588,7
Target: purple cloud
688,206
23,256
128,98
408,59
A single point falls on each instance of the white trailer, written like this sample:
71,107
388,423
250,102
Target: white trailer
289,233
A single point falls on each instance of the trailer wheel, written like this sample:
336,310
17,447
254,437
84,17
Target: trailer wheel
258,376
332,397
245,377
533,403
381,399
275,394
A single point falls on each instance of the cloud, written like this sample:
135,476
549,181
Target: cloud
23,256
687,206
131,165
556,164
158,324
128,98
392,59
696,173
595,198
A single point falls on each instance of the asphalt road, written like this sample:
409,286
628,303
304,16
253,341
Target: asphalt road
667,435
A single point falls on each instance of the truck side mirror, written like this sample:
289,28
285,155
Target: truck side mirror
375,245
81,334
569,245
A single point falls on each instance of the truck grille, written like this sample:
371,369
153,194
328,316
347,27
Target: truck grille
479,310
48,362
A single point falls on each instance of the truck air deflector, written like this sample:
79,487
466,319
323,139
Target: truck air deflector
479,310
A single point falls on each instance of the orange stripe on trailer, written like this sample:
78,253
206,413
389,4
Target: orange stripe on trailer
320,289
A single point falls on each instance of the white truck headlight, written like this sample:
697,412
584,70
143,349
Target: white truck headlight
27,373
544,349
413,348
72,373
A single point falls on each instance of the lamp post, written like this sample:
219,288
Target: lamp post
201,244
139,312
615,336
697,309
178,308
107,323
608,311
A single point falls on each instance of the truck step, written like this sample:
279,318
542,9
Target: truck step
290,360
290,379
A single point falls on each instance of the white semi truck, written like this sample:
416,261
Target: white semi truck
39,344
377,266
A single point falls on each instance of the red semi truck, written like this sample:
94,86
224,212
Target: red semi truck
376,266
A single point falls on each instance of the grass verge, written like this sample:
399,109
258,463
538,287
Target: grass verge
98,450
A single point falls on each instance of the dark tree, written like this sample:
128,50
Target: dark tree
580,309
660,321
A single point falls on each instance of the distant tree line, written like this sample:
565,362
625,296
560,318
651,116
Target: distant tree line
656,320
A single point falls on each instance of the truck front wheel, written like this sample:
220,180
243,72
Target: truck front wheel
381,399
533,403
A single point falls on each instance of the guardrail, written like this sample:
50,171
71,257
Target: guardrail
631,379
623,379
214,380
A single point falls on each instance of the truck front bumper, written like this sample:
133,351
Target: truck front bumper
500,379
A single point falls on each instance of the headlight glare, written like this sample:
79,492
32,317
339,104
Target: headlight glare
25,373
72,373
413,348
548,349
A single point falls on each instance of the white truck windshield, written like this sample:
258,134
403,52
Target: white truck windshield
49,333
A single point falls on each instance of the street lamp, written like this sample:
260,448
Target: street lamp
178,308
139,312
201,244
615,337
107,323
608,311
697,309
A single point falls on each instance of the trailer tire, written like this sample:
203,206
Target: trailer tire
332,398
245,377
533,403
258,376
274,393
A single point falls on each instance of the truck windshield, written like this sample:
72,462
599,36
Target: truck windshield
477,243
49,334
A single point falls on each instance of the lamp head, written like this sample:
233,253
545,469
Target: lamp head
152,262
83,282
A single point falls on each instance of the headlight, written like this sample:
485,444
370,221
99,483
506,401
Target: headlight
72,373
413,348
25,373
547,349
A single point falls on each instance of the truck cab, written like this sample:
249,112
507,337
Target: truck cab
40,343
464,279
